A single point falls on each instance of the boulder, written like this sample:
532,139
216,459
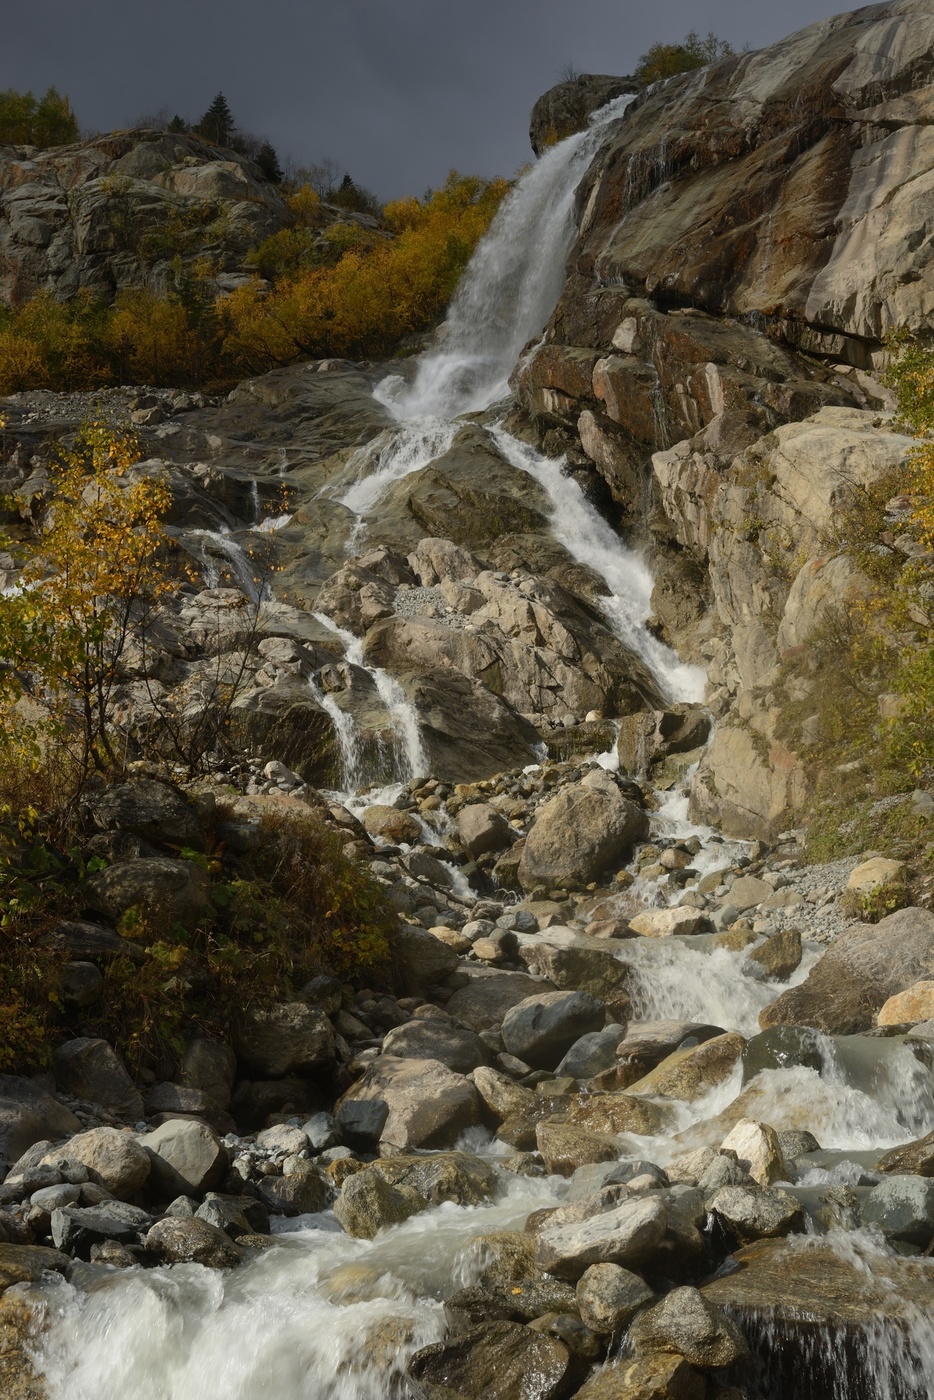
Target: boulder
874,886
902,1208
166,893
28,1115
23,1263
369,1203
666,923
495,1361
577,967
460,1049
188,1158
488,997
866,965
82,985
689,1325
541,1029
616,1113
913,1159
289,1038
75,1229
177,1100
93,1071
650,1042
756,1212
150,808
421,959
392,825
609,1297
303,1192
114,1160
481,829
691,1073
211,1066
647,1378
748,892
591,1054
235,1215
502,1095
442,1176
429,1105
908,1007
180,1240
566,1146
628,1236
358,1124
579,834
779,956
757,1151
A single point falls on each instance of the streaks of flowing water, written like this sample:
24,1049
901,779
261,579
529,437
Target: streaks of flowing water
410,759
511,286
590,540
207,545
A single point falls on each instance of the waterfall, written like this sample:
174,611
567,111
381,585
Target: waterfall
349,738
202,544
511,286
409,757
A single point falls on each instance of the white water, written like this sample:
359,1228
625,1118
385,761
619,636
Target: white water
349,738
320,1316
205,545
410,759
511,286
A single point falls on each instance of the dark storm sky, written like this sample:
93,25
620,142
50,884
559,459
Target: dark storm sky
397,91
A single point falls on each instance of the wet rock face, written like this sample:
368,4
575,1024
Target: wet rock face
567,106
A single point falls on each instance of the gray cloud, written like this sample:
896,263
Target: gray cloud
398,91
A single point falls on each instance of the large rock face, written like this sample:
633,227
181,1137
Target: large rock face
747,238
99,214
867,964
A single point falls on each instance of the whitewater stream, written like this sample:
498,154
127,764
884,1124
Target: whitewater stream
322,1316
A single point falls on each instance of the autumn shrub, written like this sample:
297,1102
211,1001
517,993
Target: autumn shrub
85,593
665,60
377,292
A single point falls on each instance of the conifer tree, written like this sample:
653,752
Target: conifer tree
268,162
217,124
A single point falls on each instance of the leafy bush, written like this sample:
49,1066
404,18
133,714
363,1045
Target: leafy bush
26,121
665,60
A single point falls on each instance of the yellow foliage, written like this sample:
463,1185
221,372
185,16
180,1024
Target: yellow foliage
87,589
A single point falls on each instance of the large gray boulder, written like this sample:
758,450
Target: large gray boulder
866,965
489,995
93,1071
289,1038
541,1029
609,1296
188,1158
27,1115
627,1236
459,1048
582,832
150,808
114,1160
166,892
482,828
429,1105
902,1208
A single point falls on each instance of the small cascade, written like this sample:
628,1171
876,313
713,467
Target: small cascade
255,503
349,738
395,454
206,545
590,540
410,759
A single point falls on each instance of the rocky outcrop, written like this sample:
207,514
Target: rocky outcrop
748,236
567,106
113,212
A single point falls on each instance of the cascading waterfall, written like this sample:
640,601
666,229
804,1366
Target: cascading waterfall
409,757
205,545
